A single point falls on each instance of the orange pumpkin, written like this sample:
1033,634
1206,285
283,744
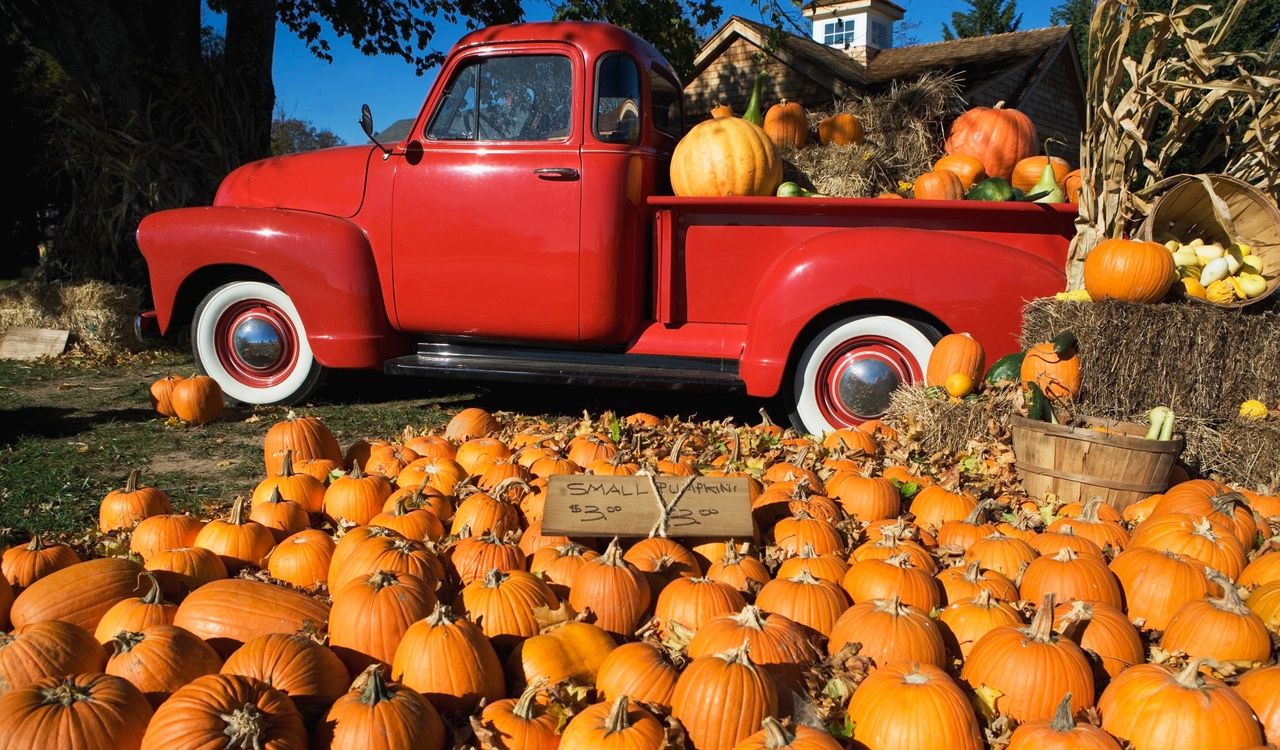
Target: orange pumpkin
721,110
123,509
968,168
955,352
475,674
709,684
161,392
197,399
1027,172
370,616
614,726
1149,706
472,422
913,706
306,437
52,648
1071,186
999,137
938,186
1128,270
161,659
787,124
221,710
729,156
309,673
1058,375
840,130
83,711
376,714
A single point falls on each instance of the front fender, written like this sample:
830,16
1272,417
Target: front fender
323,263
966,283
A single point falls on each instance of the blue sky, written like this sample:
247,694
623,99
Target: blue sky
329,95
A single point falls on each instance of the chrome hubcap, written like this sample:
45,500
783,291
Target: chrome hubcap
864,385
257,343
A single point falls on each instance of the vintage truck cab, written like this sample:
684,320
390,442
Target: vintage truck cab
524,229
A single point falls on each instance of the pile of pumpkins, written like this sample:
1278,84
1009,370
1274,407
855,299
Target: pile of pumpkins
402,595
991,155
731,155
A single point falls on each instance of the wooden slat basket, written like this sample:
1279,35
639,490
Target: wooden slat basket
1079,462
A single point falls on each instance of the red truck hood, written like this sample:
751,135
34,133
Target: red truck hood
329,181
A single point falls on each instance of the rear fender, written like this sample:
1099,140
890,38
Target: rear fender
322,262
964,283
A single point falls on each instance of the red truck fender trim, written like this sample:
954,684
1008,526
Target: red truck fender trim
323,263
889,268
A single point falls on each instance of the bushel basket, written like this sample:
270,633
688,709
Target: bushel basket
1079,462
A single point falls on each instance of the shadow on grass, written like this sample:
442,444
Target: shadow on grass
60,422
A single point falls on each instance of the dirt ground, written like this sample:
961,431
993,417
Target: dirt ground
71,430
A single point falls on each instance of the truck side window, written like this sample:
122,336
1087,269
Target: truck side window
667,105
617,99
512,98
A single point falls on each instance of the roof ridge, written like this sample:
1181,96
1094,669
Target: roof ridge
1063,27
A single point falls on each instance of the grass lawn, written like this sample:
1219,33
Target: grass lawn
71,430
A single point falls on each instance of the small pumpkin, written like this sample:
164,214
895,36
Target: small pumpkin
709,684
968,168
197,399
841,129
912,706
370,616
774,736
955,353
1220,628
302,559
520,723
1055,368
639,670
889,631
228,613
240,541
123,509
304,437
721,110
309,673
505,604
303,489
938,186
80,593
475,674
160,659
377,714
83,711
356,497
1128,270
1027,172
614,589
613,726
161,393
156,534
787,124
47,649
24,564
574,651
136,613
281,517
221,710
1061,732
472,422
729,156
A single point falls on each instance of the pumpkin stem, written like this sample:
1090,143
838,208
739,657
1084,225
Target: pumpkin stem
1041,629
1066,554
382,579
1230,600
1190,676
124,641
246,727
441,615
493,578
899,561
676,447
37,543
737,655
131,484
570,549
892,606
524,708
372,686
1226,502
276,497
776,736
1063,721
65,693
400,507
751,617
1089,512
764,415
499,491
805,577
286,465
154,595
732,556
979,512
983,599
237,511
613,555
808,552
734,449
618,720
973,573
355,472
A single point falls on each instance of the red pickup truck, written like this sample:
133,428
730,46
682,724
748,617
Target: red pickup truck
525,229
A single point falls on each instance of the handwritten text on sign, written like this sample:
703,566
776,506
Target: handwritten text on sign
626,506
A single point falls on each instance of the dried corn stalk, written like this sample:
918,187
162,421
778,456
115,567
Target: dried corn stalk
1183,78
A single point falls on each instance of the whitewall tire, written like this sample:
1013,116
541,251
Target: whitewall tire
848,370
247,335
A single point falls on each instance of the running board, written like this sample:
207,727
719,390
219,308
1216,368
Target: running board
477,362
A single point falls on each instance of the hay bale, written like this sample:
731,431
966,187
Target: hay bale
98,315
905,130
940,425
1199,360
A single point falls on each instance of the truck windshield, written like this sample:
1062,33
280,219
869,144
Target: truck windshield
510,98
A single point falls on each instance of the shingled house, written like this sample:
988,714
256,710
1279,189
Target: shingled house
850,55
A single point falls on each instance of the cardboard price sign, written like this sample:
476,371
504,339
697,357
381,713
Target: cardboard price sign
583,505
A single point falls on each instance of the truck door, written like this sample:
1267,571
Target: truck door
487,202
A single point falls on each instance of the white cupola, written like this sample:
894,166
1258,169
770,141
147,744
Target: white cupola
861,28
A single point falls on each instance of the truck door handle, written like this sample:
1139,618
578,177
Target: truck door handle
557,173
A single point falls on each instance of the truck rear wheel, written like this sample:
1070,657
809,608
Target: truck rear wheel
247,335
846,374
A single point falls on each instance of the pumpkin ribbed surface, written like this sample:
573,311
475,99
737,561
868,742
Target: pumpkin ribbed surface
228,613
912,706
220,710
729,156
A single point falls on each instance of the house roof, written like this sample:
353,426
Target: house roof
974,59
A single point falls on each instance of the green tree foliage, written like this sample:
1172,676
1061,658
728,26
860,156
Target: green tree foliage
1077,14
675,27
984,17
292,135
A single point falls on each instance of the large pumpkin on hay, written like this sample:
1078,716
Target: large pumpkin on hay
999,137
729,156
1128,270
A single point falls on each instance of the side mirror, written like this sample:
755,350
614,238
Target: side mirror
366,124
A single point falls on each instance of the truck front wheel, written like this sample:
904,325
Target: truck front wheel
846,374
247,335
